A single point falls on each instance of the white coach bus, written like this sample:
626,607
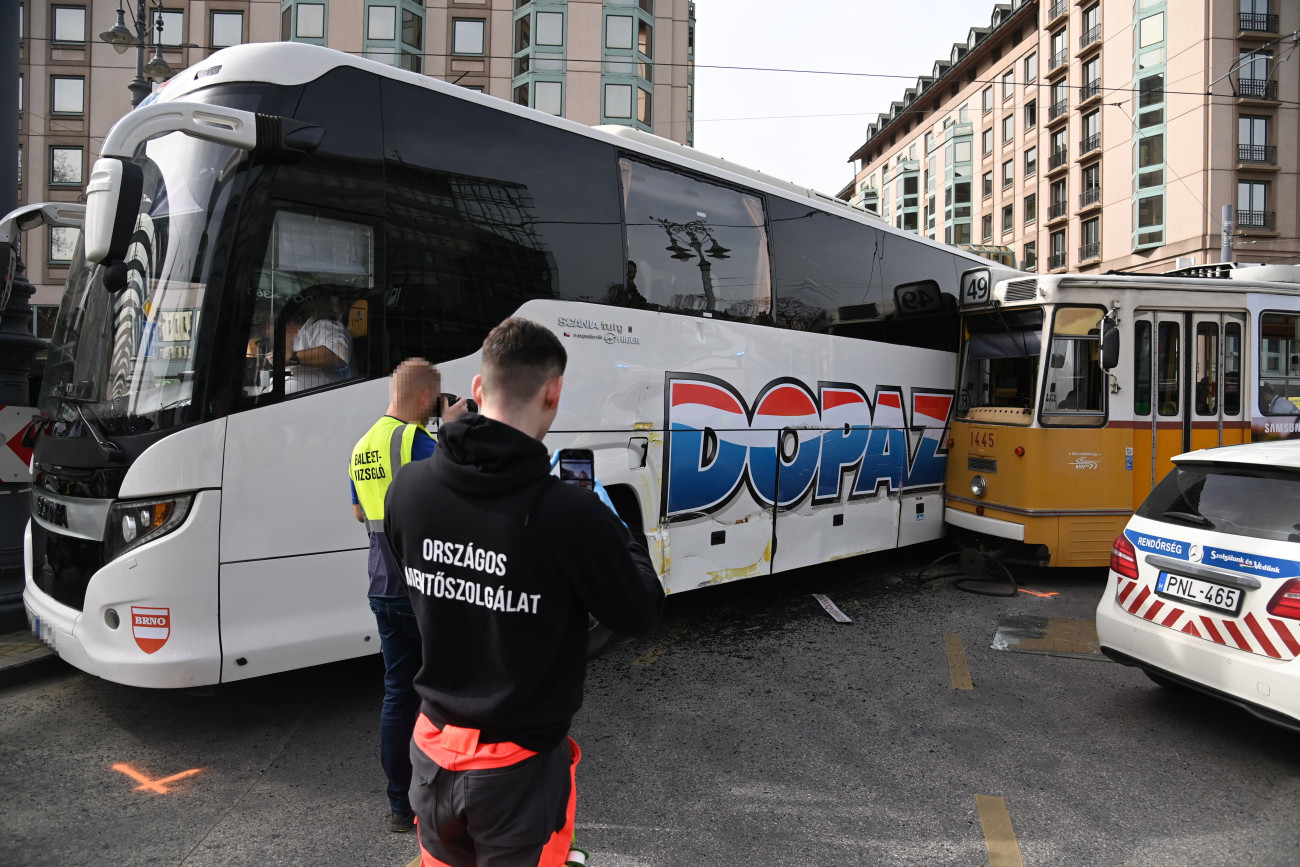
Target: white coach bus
764,374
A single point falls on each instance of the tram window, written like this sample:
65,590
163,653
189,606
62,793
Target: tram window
1279,364
477,225
1167,368
697,247
310,309
1000,360
1232,369
1208,384
1074,383
1142,368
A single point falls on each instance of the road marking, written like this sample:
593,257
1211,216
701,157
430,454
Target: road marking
153,785
415,862
957,667
662,646
1035,593
999,836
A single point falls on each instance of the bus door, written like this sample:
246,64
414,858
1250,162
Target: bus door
1187,388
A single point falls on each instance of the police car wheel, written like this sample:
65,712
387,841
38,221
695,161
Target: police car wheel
599,637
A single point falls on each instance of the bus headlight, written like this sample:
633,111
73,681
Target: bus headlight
978,486
133,522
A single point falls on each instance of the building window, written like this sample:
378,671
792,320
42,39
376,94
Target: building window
43,318
381,23
68,24
65,166
548,96
1150,220
986,227
1031,207
311,21
1008,173
1031,67
1057,246
1252,205
173,32
227,29
988,184
988,142
618,100
1151,38
1090,242
1091,132
62,241
1252,141
645,107
1031,114
1008,83
67,94
1030,260
1008,218
1031,161
1008,128
618,32
550,28
987,97
468,36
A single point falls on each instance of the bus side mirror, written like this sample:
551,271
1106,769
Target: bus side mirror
1109,344
112,203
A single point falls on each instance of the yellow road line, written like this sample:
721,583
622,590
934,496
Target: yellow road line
999,836
416,862
957,667
662,646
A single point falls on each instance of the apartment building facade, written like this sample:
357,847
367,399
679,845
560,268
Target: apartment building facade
1091,135
625,62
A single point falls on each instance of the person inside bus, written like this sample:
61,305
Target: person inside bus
1272,403
397,439
322,347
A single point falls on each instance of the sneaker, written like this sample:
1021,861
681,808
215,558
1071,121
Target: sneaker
400,823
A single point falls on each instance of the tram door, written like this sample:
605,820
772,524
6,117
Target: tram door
1186,388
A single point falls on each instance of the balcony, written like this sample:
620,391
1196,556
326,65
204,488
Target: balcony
1058,9
1091,143
1058,159
1256,88
1092,37
1253,22
1059,59
1262,154
1056,260
1090,251
1057,210
1058,110
1091,90
1090,198
1265,220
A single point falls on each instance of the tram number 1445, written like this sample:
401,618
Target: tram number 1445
982,439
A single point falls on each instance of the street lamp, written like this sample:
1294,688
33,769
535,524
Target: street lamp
121,38
694,235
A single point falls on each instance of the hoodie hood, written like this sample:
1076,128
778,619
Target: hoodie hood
479,455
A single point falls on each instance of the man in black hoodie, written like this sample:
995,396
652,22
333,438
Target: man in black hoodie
503,562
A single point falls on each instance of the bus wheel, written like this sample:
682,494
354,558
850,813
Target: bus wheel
599,637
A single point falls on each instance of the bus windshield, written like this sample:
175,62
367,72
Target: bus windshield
128,360
1000,360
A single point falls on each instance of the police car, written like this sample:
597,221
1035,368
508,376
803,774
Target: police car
1204,587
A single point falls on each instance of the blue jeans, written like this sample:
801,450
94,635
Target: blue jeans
399,641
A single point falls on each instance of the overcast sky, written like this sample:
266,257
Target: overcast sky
803,127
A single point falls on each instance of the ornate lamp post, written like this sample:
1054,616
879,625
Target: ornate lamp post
122,38
694,235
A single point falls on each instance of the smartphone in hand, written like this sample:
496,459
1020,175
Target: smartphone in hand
578,467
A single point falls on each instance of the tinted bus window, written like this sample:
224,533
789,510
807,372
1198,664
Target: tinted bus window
822,264
694,246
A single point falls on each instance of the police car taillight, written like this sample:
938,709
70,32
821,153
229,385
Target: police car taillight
1123,557
1286,601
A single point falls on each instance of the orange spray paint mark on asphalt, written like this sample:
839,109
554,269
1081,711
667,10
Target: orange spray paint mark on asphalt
1034,593
153,785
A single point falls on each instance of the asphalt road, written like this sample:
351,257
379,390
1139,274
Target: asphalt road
752,728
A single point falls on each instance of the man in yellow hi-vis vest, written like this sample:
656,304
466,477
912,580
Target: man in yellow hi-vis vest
395,440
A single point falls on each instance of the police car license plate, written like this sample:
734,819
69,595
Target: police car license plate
1198,592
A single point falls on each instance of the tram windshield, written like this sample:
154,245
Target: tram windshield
1000,360
129,360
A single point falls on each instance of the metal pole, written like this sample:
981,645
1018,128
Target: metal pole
139,87
1225,248
9,97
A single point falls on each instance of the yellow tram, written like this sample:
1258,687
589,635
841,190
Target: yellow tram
1075,390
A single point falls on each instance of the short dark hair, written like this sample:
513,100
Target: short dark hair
519,356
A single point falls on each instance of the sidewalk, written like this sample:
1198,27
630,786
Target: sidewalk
23,656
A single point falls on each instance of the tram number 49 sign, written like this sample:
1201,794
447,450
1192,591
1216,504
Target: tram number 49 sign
975,285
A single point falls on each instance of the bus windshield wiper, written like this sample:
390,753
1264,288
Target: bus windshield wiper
1190,518
109,448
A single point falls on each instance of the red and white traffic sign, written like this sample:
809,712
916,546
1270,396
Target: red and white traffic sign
15,458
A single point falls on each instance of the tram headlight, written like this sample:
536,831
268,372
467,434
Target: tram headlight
132,523
978,486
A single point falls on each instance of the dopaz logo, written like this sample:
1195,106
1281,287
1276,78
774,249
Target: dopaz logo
151,627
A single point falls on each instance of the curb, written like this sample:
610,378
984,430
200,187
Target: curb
24,657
